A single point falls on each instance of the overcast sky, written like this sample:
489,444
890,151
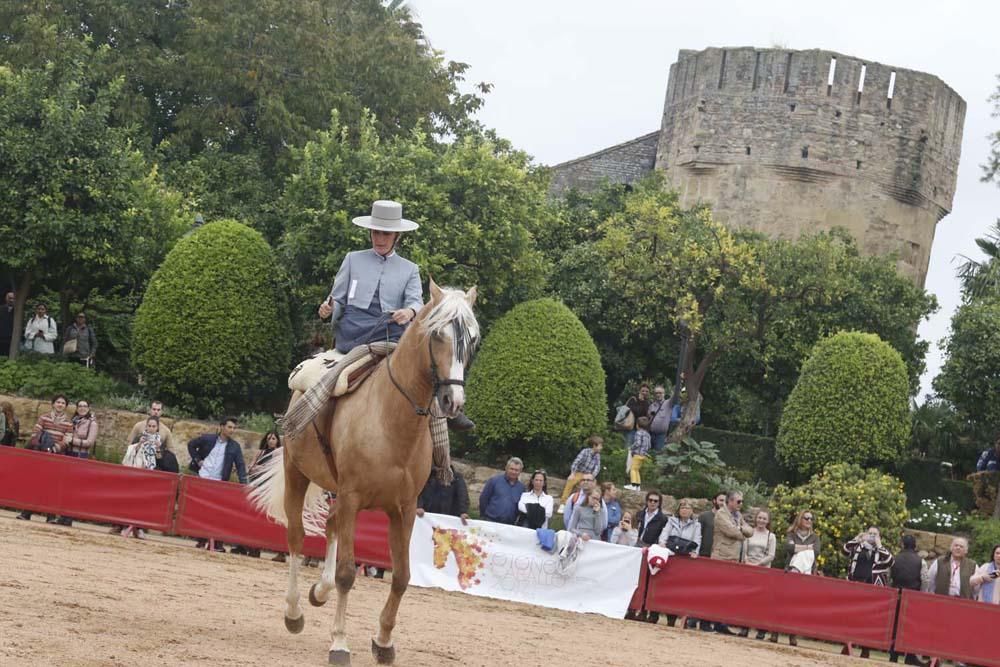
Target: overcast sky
571,78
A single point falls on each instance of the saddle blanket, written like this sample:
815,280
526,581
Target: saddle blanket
326,376
309,373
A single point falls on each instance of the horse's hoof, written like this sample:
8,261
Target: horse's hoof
384,655
313,600
340,657
295,625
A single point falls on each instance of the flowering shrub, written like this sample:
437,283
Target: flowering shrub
845,499
935,514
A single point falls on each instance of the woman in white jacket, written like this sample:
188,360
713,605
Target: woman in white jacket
537,494
40,333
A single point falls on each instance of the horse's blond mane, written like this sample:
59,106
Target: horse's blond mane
453,316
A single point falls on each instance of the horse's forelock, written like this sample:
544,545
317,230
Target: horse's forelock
452,315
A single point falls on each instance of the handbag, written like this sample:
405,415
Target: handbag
70,346
624,419
680,546
42,442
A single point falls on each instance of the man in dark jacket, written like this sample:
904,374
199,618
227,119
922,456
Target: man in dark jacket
650,520
440,499
214,455
907,572
707,521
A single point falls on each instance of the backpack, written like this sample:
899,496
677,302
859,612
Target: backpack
660,423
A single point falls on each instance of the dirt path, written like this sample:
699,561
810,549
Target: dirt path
73,596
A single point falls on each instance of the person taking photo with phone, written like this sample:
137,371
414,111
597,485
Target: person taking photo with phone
984,581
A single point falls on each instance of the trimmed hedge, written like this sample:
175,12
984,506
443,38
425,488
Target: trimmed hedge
537,381
43,379
850,405
213,329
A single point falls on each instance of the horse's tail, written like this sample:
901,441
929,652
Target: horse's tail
267,490
267,487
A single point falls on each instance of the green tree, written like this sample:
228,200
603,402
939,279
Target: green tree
537,382
981,277
812,287
970,375
846,500
477,201
213,330
991,170
818,284
222,90
850,405
79,207
673,269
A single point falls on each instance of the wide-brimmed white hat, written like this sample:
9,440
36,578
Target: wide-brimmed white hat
387,216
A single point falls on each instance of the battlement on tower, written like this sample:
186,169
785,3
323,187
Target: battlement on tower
814,114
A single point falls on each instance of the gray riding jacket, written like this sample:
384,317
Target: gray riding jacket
365,273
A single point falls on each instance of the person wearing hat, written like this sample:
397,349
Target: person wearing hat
375,282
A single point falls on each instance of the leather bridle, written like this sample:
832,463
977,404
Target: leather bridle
437,382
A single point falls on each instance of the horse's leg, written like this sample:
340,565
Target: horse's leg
347,514
320,591
295,494
400,528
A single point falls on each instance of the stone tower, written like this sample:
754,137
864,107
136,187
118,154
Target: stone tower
788,142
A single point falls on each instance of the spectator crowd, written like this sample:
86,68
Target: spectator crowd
590,511
41,334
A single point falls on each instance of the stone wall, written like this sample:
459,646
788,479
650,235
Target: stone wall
625,163
114,426
930,545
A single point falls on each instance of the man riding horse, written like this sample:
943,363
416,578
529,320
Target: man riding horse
372,284
393,422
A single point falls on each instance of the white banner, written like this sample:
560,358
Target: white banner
506,562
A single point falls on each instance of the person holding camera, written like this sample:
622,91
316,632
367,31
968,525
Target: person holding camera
870,561
624,533
984,581
590,520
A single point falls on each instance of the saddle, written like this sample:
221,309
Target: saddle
327,376
347,374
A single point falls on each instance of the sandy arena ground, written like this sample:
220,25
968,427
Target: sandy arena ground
78,596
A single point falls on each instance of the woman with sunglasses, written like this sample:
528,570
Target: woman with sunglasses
800,538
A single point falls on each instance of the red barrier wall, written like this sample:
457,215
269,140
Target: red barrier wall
771,599
638,602
946,627
105,492
221,510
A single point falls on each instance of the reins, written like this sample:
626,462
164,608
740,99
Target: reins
436,381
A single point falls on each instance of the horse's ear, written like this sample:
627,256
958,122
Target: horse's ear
435,291
470,296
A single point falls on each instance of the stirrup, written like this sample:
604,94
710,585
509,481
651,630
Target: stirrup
461,423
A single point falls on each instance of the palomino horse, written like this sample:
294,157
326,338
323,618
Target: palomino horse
380,459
